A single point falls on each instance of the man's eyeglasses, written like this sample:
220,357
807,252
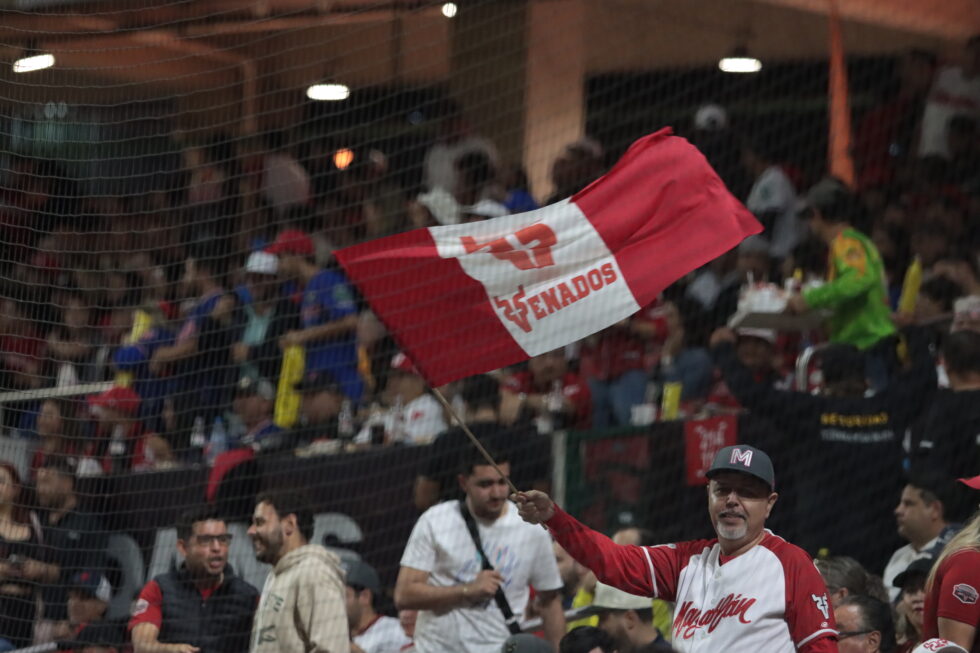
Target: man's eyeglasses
208,540
844,634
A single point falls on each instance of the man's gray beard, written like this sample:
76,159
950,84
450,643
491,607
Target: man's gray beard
732,532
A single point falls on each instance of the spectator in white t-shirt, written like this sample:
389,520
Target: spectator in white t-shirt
370,631
773,201
955,92
442,575
456,138
415,417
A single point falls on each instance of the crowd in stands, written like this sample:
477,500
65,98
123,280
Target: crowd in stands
191,301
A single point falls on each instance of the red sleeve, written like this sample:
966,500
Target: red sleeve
823,644
645,571
959,593
809,615
149,606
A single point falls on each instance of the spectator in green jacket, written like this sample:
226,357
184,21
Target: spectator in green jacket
855,292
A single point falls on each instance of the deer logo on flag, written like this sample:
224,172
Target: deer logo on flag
528,248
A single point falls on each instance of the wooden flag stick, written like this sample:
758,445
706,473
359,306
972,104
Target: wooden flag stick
473,439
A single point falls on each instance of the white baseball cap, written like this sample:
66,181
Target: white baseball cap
769,335
938,645
610,598
711,117
262,263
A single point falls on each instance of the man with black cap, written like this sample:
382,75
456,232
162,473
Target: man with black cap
842,442
370,631
744,590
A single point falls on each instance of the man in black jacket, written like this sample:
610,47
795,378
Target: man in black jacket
202,607
845,447
947,438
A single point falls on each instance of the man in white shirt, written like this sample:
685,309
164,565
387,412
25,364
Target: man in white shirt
370,631
921,519
415,417
773,201
955,92
443,576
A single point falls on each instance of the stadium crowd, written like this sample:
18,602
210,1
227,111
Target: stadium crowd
191,301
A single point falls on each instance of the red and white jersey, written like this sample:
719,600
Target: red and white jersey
771,598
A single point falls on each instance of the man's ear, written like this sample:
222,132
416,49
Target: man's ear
772,502
461,479
289,524
182,548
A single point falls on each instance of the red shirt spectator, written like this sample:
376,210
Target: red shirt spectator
537,382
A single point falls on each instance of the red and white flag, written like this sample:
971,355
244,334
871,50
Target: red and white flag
468,298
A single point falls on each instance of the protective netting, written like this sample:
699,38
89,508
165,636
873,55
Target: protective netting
176,331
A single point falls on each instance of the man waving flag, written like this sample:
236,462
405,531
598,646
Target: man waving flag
467,298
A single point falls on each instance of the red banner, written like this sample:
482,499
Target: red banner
702,440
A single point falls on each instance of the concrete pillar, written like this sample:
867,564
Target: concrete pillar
554,104
487,71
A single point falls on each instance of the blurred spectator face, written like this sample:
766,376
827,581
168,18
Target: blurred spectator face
913,601
755,264
486,490
115,288
850,625
76,315
548,368
53,488
916,73
49,420
356,602
266,533
627,536
929,245
928,307
289,265
262,286
914,515
613,622
9,488
406,385
739,505
755,353
84,608
252,409
321,406
206,550
570,570
407,619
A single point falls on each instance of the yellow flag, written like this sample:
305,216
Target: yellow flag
142,322
910,288
287,399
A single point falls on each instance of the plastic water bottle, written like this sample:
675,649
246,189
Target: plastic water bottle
345,421
197,434
219,441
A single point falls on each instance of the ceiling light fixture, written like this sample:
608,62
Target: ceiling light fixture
449,9
740,62
328,92
33,62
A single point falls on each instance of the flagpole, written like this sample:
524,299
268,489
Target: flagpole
476,442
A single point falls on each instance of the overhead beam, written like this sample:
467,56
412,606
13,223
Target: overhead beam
954,20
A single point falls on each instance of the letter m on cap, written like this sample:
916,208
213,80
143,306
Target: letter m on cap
743,457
